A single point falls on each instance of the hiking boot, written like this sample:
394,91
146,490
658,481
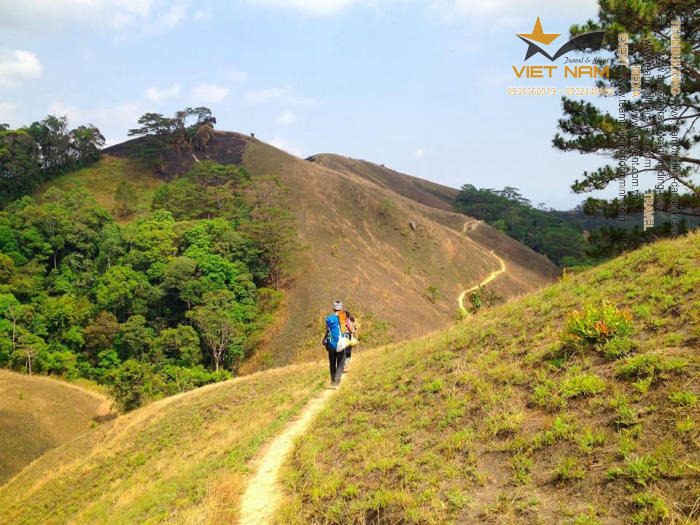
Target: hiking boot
334,386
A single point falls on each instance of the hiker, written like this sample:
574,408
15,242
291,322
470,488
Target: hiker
336,341
352,330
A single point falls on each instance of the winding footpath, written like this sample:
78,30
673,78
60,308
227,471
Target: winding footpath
471,226
262,496
490,278
261,499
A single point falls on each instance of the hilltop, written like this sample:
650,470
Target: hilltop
496,420
387,243
38,414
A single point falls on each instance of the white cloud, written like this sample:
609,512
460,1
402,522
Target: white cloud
286,118
210,93
157,95
233,75
419,153
312,7
151,16
283,95
285,145
7,111
202,14
264,95
122,115
18,65
515,10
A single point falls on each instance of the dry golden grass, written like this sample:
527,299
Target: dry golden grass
354,221
183,459
38,413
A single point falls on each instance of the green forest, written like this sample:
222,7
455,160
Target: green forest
169,301
561,237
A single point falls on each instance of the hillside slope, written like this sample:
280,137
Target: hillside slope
38,414
354,220
502,419
179,460
487,422
417,189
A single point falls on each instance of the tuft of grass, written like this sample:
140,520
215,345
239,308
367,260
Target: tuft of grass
581,385
568,469
683,398
642,470
650,364
522,465
589,439
652,508
618,347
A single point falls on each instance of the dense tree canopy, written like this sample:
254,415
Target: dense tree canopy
159,305
511,213
190,128
43,150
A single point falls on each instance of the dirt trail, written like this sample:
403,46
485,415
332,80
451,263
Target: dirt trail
261,498
471,225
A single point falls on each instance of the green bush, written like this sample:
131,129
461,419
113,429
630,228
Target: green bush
593,327
130,384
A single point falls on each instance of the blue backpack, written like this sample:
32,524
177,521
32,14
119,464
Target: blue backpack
333,326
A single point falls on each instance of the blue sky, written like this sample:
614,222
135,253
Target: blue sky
417,86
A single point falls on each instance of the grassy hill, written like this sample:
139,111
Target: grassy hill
179,460
420,190
38,414
500,420
496,420
103,179
355,222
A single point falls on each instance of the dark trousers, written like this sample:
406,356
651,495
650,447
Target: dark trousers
337,362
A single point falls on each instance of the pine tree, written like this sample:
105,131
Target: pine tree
662,114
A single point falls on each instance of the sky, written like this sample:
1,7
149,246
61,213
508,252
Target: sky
420,86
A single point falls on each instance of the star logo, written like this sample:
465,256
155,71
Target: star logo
538,35
592,40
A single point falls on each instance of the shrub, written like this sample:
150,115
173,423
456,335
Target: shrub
592,327
130,384
432,294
